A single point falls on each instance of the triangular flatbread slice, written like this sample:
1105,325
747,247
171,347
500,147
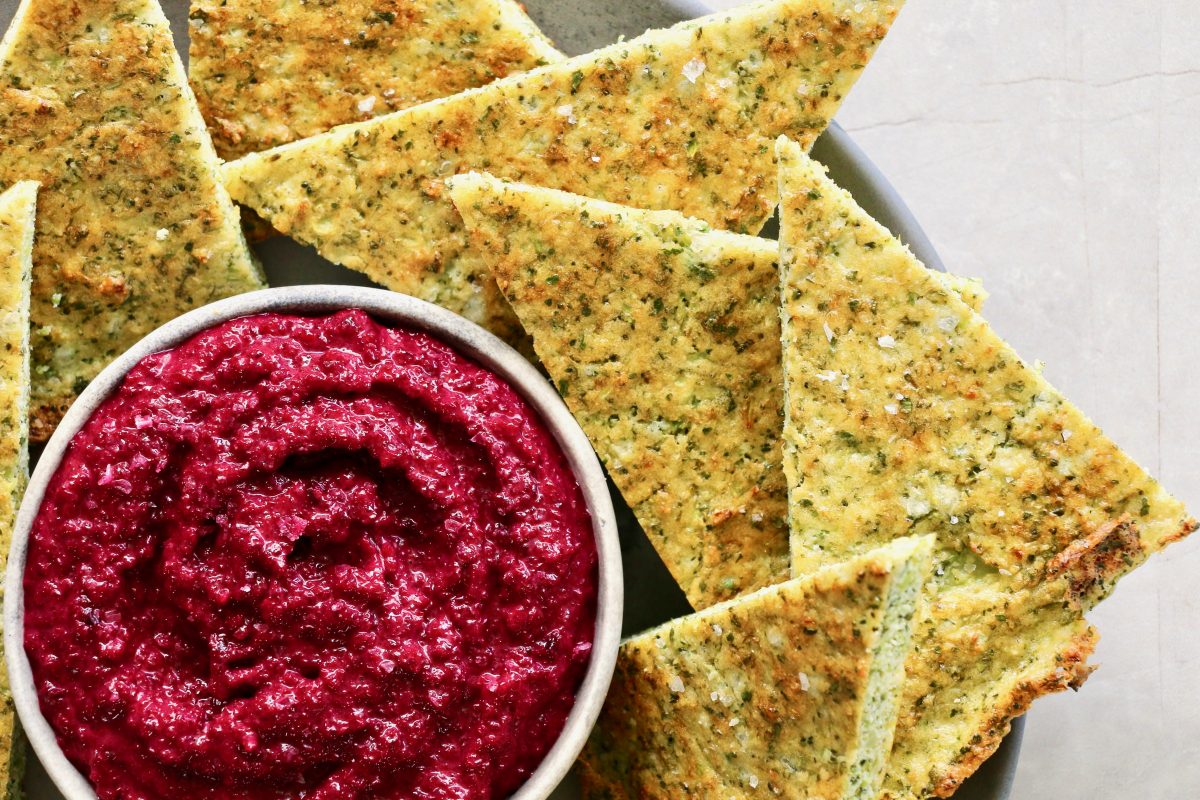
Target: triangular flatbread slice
681,118
268,72
17,207
790,692
935,425
663,336
133,224
982,654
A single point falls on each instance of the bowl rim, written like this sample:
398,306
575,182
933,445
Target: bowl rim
390,307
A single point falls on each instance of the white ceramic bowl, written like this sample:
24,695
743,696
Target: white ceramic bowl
464,336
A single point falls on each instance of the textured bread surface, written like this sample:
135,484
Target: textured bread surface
267,72
662,334
17,209
682,118
907,414
789,691
134,226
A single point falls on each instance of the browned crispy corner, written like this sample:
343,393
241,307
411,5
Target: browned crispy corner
1188,527
1092,564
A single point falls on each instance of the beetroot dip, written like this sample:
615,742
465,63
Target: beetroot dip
310,557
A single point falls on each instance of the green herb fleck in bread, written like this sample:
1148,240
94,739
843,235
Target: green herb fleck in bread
906,413
267,72
663,337
17,207
682,118
791,691
133,224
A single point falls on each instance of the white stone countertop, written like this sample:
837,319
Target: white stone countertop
1052,149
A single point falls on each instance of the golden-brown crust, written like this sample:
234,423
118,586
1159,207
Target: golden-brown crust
982,655
133,224
681,119
1071,673
766,694
908,413
17,209
43,419
268,72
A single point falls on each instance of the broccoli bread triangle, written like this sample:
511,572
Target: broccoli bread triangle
663,336
935,425
17,206
681,118
790,691
985,447
133,224
268,72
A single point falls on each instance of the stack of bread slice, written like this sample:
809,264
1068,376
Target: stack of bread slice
682,119
689,354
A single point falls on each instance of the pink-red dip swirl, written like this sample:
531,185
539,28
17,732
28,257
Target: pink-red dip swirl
310,557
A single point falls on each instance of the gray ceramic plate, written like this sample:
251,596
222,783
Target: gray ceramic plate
578,26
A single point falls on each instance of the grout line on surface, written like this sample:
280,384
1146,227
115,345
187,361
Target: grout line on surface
1158,271
1157,75
1158,349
